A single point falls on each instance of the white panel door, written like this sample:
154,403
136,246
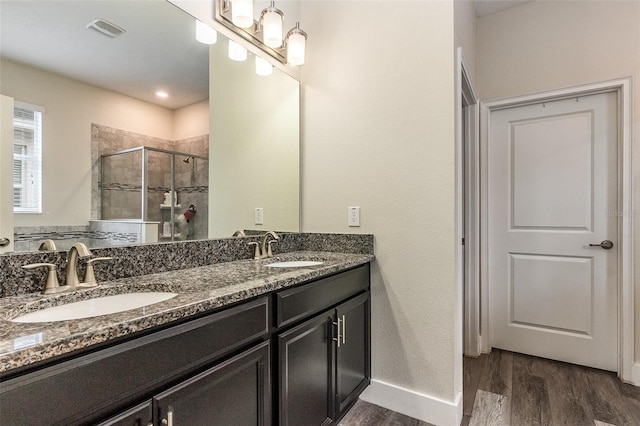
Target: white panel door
6,173
552,193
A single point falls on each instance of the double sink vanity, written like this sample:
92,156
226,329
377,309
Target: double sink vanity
283,340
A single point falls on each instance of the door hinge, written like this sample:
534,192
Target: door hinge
462,240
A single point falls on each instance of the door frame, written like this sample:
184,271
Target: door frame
622,87
467,174
6,171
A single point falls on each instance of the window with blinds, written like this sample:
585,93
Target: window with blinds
27,159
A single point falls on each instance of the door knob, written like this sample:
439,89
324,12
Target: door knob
606,244
4,242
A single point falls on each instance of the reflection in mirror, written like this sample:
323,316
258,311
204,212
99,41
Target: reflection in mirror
99,96
254,147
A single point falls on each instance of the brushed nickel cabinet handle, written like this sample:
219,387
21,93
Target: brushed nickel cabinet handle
169,420
344,330
338,327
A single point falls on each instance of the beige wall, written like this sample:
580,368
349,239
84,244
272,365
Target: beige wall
378,132
191,120
70,108
465,33
548,45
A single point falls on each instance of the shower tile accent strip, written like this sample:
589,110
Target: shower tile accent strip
28,238
138,260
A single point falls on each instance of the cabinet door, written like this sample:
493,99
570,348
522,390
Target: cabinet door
353,369
140,415
305,373
235,392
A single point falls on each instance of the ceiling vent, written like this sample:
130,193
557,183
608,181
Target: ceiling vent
105,28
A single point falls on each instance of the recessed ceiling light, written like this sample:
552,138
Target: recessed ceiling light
162,94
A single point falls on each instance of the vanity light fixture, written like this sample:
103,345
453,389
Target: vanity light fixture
263,67
237,52
295,41
205,34
242,13
266,32
271,22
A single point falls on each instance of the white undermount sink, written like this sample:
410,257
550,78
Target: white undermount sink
95,307
294,264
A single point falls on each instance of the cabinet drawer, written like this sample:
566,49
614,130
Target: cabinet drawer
300,302
141,415
93,386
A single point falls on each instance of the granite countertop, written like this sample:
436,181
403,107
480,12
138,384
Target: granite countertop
199,290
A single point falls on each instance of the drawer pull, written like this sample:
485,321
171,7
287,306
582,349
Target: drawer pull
169,420
344,330
338,328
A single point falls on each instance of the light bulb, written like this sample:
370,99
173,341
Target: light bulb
296,40
263,67
205,34
237,52
272,26
242,13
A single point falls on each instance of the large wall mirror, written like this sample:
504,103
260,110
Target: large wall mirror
120,162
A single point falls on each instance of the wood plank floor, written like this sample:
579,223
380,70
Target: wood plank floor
505,388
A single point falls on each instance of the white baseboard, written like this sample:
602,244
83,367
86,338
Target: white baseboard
413,404
635,375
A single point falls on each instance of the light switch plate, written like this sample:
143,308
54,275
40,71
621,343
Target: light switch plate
258,216
354,216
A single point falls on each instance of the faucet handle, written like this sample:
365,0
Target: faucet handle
89,274
256,252
51,285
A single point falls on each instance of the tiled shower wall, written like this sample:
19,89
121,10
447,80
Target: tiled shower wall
122,195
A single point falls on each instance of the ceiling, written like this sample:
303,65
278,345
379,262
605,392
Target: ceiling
489,7
158,51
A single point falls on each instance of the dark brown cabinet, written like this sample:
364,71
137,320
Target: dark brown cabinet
306,368
234,393
217,369
353,354
140,415
89,388
324,364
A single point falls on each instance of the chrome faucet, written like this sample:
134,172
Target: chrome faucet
76,250
266,243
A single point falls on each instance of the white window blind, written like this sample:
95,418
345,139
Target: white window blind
27,158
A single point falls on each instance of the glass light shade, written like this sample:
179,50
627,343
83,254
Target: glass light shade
242,13
205,34
295,49
237,52
272,27
263,67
